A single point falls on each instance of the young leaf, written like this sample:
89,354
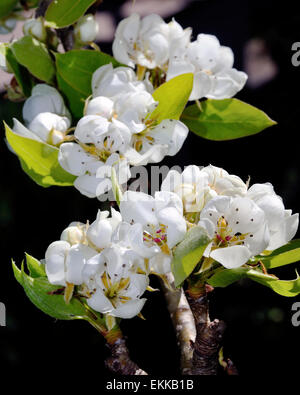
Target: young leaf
24,79
172,97
33,55
287,288
117,191
39,160
188,253
226,119
285,255
74,75
6,7
35,267
224,277
40,293
62,13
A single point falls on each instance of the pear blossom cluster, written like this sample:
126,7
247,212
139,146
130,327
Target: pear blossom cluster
241,222
117,132
46,117
109,261
152,43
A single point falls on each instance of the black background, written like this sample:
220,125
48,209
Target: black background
260,337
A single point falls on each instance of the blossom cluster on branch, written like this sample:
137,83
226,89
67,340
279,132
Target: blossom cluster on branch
88,118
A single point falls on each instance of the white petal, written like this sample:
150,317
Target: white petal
227,84
138,207
101,106
129,309
55,262
20,129
178,67
99,302
91,186
74,159
202,86
231,257
176,225
166,199
75,261
160,263
171,133
100,232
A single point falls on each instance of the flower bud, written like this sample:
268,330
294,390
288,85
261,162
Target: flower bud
35,28
49,127
44,98
74,233
86,29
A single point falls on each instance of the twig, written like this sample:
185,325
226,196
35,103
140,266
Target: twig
42,8
66,37
119,362
183,322
208,338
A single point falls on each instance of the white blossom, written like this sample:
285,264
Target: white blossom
282,224
93,174
35,28
143,42
197,185
101,230
110,82
86,29
212,66
64,263
146,141
45,127
44,98
238,229
156,225
113,287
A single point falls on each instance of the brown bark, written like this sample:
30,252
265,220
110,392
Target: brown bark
208,338
119,362
183,322
42,8
66,37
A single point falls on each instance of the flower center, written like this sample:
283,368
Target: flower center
224,236
113,290
157,237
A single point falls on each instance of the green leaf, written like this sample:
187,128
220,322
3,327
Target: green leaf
287,288
39,160
188,253
117,191
285,255
39,291
225,119
33,55
224,277
45,297
74,75
17,272
62,13
6,7
35,267
22,75
172,97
